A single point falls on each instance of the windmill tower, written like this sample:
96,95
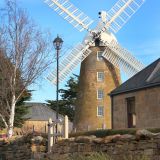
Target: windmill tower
101,58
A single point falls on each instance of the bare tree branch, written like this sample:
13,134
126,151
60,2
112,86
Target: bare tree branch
4,121
24,51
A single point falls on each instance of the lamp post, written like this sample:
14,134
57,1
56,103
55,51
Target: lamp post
57,45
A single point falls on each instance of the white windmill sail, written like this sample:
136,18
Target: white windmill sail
120,57
120,13
70,13
75,56
116,18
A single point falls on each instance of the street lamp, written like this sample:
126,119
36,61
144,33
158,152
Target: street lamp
57,43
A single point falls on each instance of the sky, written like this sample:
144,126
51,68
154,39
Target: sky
140,36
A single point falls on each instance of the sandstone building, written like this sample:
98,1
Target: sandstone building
38,116
136,103
98,78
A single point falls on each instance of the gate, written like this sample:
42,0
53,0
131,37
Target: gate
57,130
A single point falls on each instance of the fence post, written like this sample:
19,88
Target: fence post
54,132
66,127
33,129
45,128
88,127
103,126
50,135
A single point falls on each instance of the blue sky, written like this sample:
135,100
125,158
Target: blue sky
141,35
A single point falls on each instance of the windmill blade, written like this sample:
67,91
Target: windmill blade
120,57
76,56
120,13
70,13
117,61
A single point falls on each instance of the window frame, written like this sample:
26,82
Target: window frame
98,93
98,78
98,57
100,111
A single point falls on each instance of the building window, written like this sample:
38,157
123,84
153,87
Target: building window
100,111
100,94
99,55
100,76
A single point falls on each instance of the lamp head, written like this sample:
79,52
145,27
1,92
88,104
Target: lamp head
57,43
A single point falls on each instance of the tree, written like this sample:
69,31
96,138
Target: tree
20,111
27,48
67,103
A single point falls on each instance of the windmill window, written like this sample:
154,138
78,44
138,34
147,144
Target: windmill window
99,55
100,111
100,94
100,76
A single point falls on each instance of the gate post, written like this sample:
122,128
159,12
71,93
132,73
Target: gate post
66,127
50,135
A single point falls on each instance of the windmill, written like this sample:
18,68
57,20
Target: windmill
101,58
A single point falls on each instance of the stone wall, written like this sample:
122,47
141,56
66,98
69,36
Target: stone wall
117,146
147,108
22,148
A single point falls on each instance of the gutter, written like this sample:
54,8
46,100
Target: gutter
131,90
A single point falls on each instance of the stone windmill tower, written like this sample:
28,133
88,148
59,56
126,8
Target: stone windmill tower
98,77
101,59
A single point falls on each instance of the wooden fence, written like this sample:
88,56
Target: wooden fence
57,130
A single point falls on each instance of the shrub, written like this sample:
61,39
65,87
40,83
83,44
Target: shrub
105,132
133,157
102,156
93,156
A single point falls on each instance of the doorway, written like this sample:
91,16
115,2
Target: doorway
131,113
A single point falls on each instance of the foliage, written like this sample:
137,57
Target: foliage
1,124
93,156
135,157
27,48
67,103
70,93
64,109
103,133
21,109
102,156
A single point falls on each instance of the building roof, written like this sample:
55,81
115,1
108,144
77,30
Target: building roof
40,112
148,77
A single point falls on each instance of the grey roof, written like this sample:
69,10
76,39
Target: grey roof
40,112
148,77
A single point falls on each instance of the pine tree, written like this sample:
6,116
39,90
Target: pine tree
21,110
68,95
